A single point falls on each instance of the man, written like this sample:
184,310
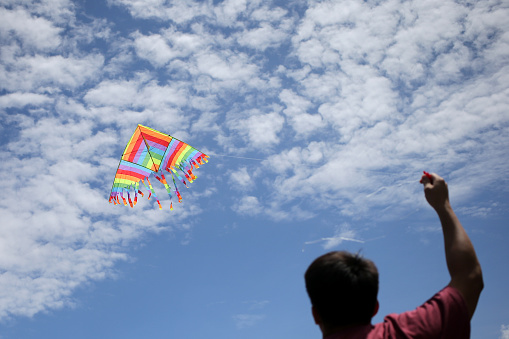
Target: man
343,287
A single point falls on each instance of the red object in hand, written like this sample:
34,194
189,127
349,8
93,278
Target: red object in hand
428,175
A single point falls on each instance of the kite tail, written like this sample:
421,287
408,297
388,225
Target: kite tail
154,194
192,175
129,198
176,189
191,164
165,183
180,167
122,195
178,176
114,198
189,169
148,189
135,197
168,189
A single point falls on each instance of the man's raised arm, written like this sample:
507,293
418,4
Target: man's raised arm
462,262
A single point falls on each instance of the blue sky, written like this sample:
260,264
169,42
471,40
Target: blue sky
319,118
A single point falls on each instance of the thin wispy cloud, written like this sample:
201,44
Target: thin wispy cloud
343,233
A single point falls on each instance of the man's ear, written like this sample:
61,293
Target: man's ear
316,316
377,307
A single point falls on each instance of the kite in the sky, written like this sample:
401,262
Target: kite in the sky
150,152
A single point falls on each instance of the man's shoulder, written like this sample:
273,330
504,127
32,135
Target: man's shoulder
443,314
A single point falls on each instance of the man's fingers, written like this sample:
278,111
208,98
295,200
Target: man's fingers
425,180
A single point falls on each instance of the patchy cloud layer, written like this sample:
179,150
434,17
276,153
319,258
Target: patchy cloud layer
346,101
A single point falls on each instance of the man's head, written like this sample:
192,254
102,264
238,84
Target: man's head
343,289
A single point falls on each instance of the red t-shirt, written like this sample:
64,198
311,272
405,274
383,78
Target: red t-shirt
443,316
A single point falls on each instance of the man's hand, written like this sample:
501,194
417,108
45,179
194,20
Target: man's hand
436,191
462,263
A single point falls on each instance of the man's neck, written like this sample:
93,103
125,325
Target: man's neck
330,330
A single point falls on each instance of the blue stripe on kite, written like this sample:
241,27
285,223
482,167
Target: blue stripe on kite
193,153
141,154
156,150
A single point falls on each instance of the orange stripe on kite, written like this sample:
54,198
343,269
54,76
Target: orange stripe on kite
136,147
187,149
174,157
154,133
132,143
157,139
179,155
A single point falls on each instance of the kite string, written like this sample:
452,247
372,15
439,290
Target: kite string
231,156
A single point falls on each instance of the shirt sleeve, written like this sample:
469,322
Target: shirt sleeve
445,315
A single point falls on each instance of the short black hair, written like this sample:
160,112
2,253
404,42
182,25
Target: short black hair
343,288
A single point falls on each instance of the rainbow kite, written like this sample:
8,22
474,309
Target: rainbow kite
150,152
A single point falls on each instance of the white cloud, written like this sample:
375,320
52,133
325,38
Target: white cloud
186,43
145,9
296,111
342,233
229,67
228,11
265,13
39,72
297,158
34,32
313,53
116,93
137,93
153,48
241,179
179,11
160,49
206,121
262,37
307,123
260,130
60,12
248,205
19,100
504,329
